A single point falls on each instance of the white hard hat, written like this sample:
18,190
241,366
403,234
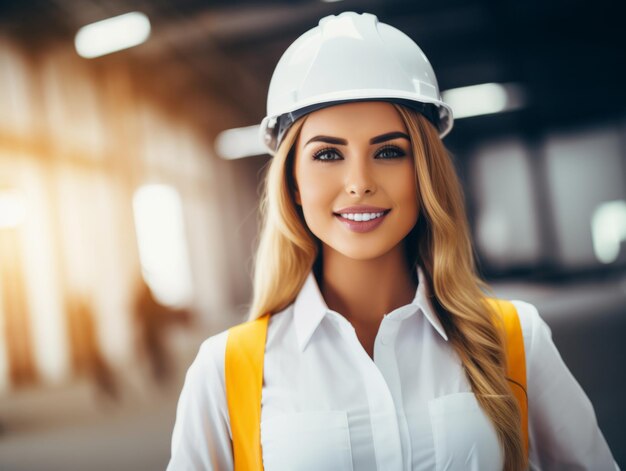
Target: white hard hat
350,57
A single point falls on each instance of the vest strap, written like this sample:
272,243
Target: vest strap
515,359
243,371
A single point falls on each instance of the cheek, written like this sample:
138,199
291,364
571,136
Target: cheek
408,190
316,192
403,188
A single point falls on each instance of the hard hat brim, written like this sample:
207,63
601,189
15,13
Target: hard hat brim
274,128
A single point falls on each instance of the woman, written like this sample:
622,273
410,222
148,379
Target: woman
381,349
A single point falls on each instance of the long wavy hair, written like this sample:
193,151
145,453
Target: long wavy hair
440,242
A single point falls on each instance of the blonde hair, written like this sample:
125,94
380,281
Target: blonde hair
440,242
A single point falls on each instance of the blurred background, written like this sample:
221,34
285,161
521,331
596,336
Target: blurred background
129,185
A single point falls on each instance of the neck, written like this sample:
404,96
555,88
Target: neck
365,290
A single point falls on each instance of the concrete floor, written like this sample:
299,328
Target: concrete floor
73,428
82,435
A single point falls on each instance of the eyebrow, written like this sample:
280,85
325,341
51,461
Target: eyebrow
389,136
375,140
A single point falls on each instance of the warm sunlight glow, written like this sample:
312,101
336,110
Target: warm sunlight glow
162,244
12,208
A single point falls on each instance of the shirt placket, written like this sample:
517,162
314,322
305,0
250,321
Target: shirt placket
387,363
382,409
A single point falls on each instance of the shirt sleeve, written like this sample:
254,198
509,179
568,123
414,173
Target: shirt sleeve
563,429
201,439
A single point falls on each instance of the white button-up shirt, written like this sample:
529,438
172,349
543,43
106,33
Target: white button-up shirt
326,405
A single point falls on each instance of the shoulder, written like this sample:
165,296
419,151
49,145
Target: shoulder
208,366
537,335
212,352
203,395
534,328
529,319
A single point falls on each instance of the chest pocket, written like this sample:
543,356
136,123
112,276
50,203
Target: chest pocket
463,435
306,441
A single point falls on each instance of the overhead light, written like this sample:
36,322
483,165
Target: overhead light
112,34
331,1
239,142
486,98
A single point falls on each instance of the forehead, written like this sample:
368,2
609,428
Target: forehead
353,120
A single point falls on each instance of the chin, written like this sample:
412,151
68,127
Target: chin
362,252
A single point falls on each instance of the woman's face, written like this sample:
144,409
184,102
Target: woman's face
355,178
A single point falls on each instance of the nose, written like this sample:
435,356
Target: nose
359,179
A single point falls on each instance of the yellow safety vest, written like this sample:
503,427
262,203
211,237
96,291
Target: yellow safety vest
245,349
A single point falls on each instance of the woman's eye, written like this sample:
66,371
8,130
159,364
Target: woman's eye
390,152
326,154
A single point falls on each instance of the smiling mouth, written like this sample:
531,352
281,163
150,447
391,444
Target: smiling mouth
363,217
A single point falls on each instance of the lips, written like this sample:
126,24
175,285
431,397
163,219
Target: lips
362,218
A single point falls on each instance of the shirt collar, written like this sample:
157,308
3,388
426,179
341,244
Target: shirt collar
310,308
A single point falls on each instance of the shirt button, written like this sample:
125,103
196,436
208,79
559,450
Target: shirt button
385,339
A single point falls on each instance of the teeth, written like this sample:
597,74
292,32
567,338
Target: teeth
361,216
